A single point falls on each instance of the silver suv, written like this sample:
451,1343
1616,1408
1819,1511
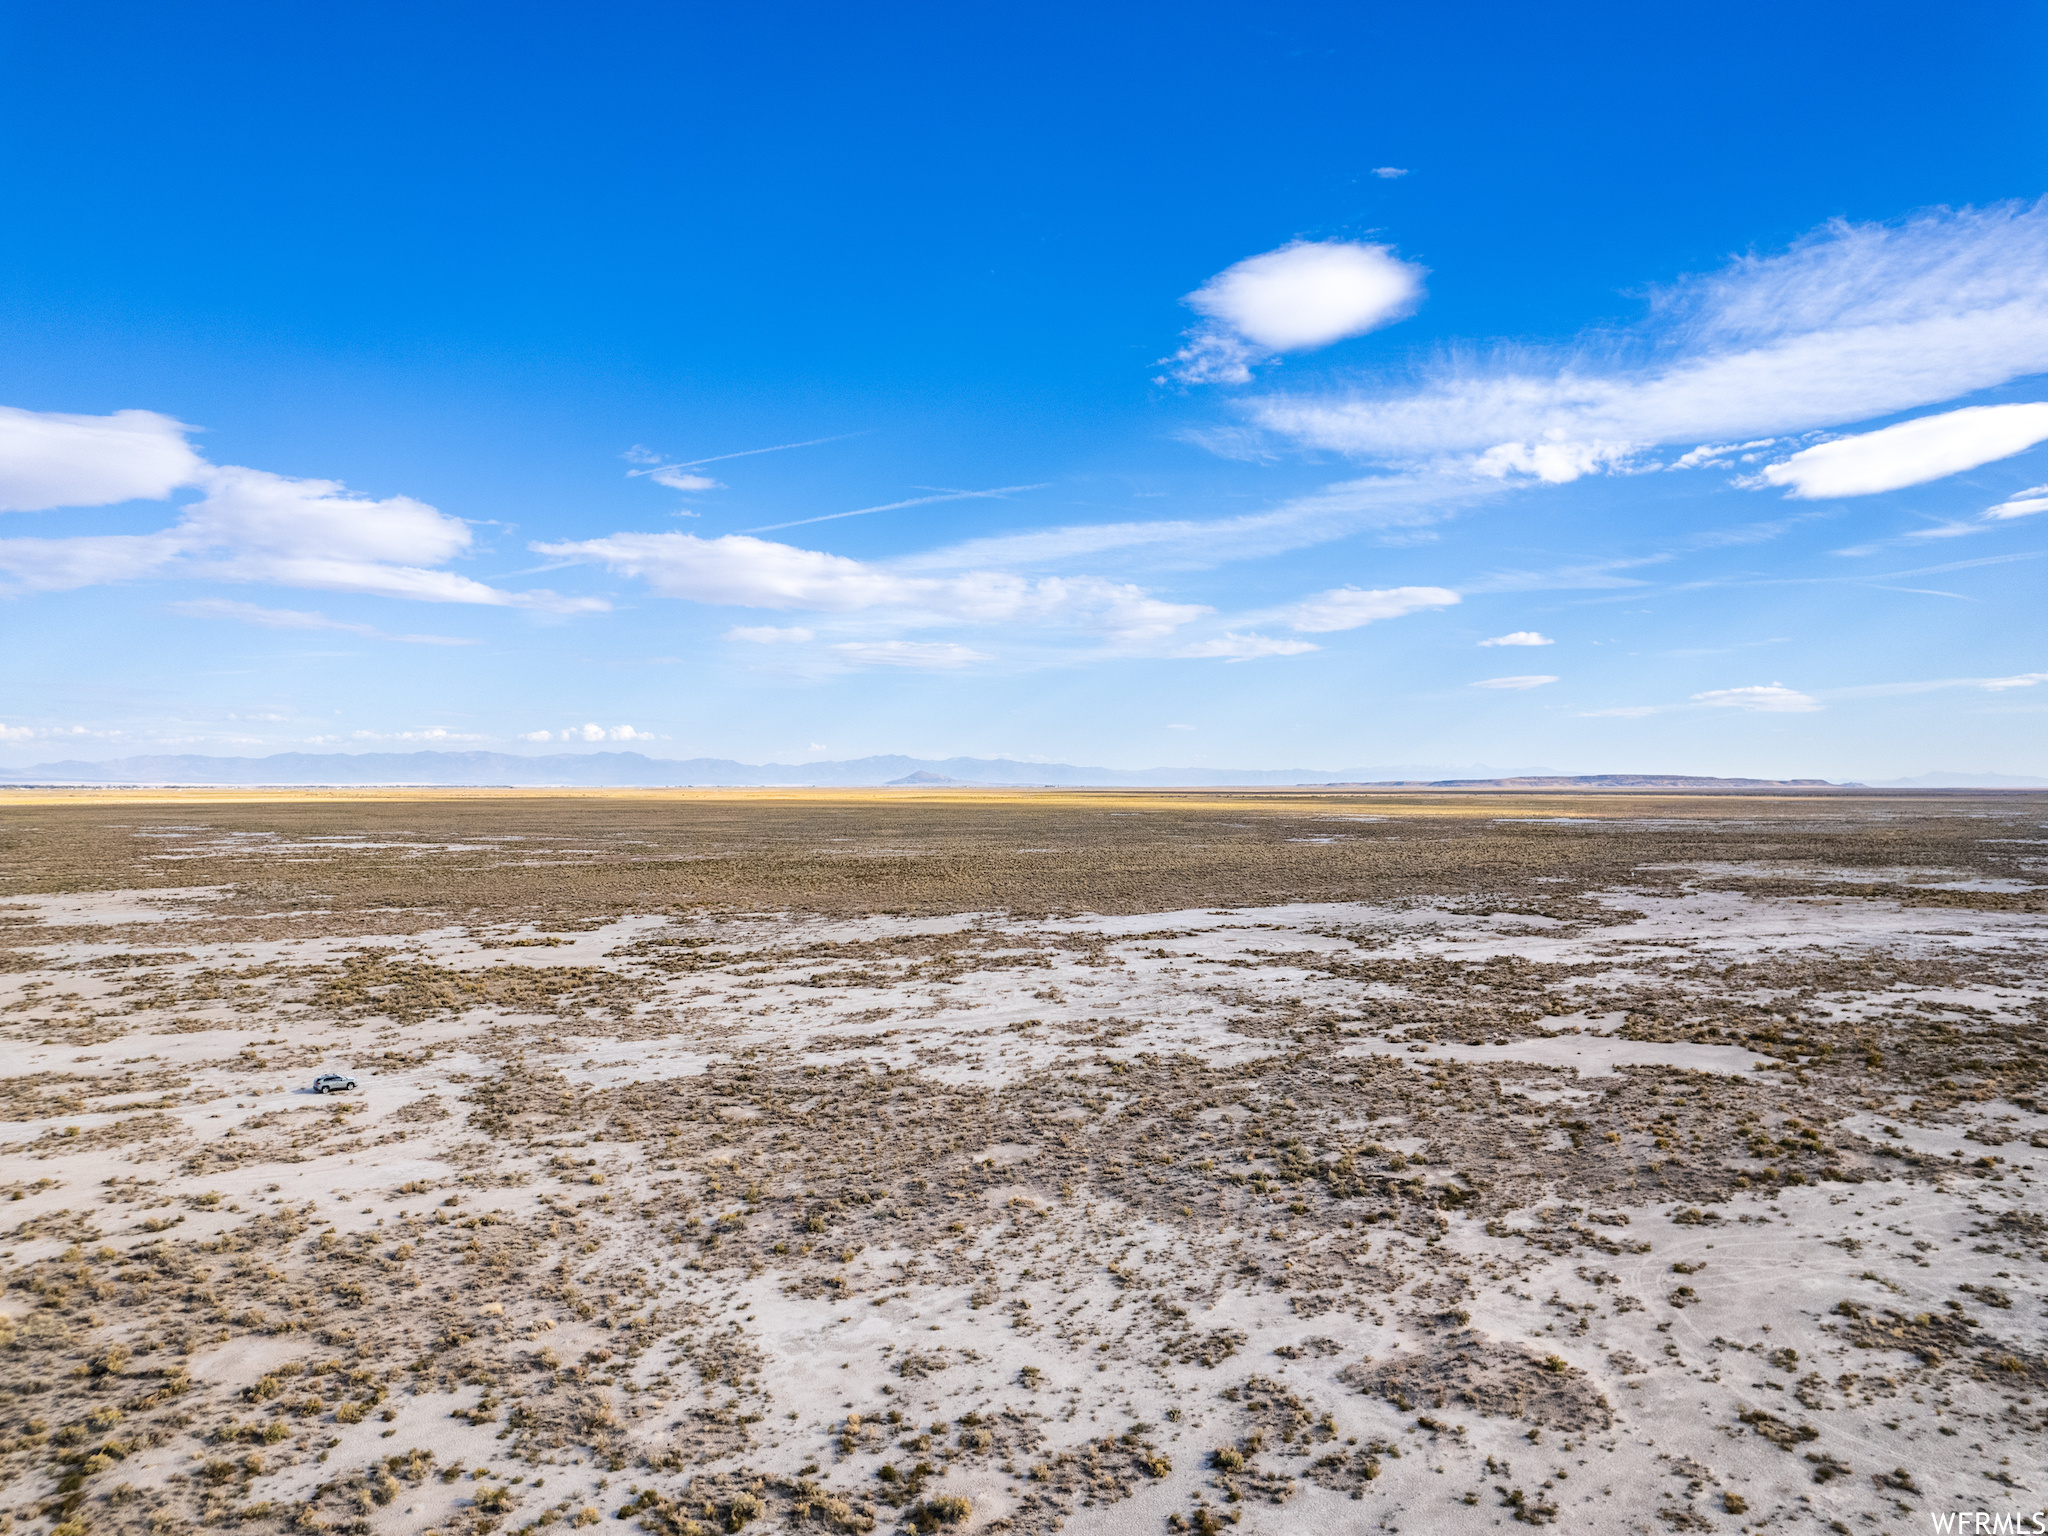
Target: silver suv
333,1082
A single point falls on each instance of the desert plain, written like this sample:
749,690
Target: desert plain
1016,1162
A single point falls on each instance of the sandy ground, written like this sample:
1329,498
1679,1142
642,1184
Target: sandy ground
1406,1215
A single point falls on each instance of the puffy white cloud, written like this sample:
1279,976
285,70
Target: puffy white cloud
738,570
1351,607
591,732
1771,699
926,656
1389,172
248,526
1236,647
1857,321
256,526
1555,460
2025,504
1911,453
1520,637
293,618
1532,680
52,460
1310,294
277,515
1303,295
769,634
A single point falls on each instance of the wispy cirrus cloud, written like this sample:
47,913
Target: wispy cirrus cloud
920,655
738,570
1355,607
2024,504
434,736
1857,321
1527,680
681,474
292,618
1756,699
996,493
1384,503
1231,646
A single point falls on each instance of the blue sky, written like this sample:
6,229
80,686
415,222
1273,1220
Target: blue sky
1611,389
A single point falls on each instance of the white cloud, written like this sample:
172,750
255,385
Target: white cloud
1389,172
1555,460
52,460
741,571
51,733
2025,504
769,634
437,734
249,525
89,560
1303,295
2023,680
1857,321
1407,501
1351,607
677,477
292,618
929,656
1520,637
1532,680
252,509
1722,455
591,732
1771,699
256,526
1911,453
1236,647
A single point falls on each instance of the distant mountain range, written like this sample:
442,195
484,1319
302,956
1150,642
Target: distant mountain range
629,769
1963,781
598,770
